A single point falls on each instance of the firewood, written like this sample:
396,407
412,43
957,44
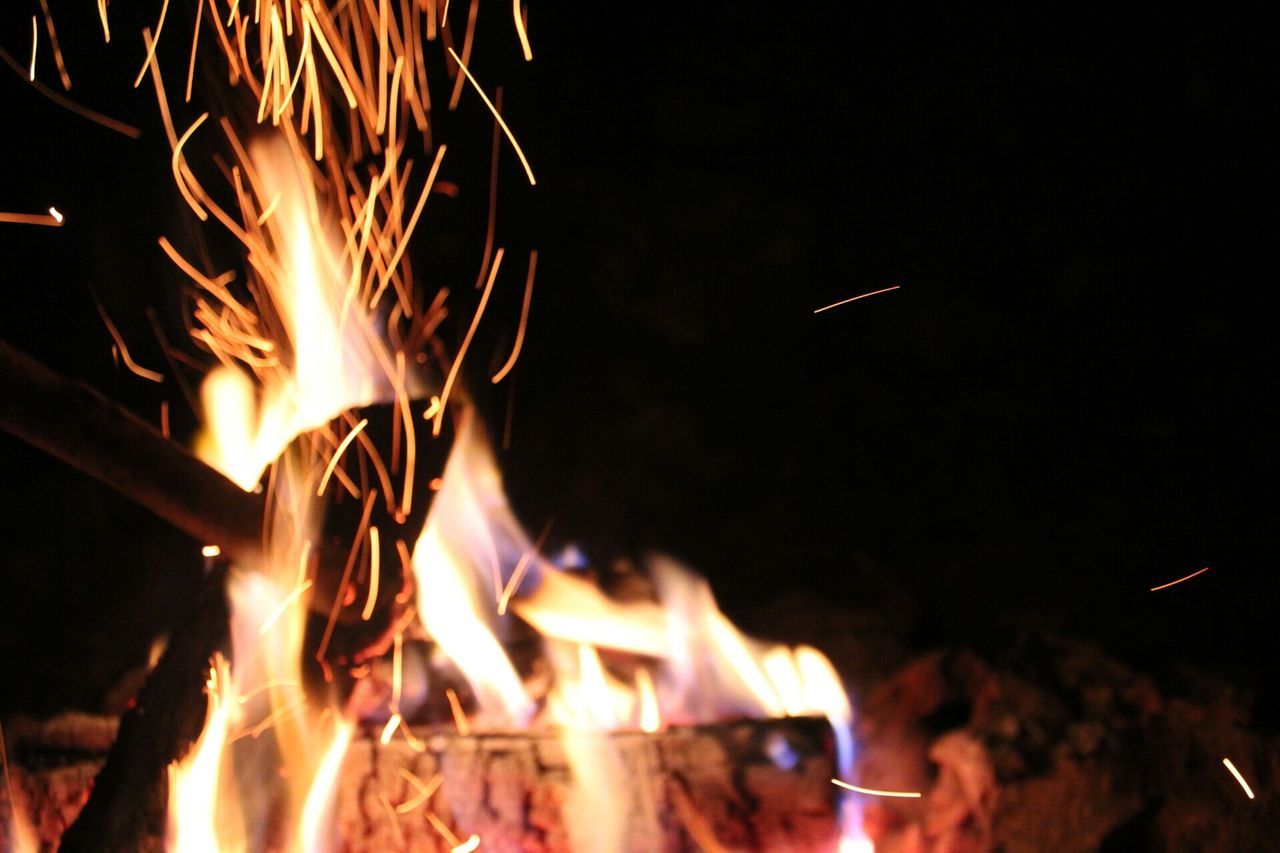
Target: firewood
126,809
745,785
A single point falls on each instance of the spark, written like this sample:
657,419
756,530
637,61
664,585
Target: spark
1179,580
269,209
210,551
397,669
443,828
151,49
511,136
337,454
134,367
874,792
68,104
282,607
31,219
466,342
467,846
269,685
1236,773
177,164
524,319
413,221
56,214
35,40
375,569
195,43
395,821
459,718
102,15
390,728
856,298
57,50
425,790
517,576
524,37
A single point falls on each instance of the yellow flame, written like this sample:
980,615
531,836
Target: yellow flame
195,781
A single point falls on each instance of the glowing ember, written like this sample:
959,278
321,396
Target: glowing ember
1226,762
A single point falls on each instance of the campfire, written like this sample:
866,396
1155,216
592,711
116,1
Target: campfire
383,657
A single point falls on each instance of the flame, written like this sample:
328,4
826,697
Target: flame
194,781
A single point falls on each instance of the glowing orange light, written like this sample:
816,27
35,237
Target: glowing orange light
1239,778
875,792
856,298
524,161
1179,580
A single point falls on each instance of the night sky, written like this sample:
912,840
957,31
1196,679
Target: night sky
1068,401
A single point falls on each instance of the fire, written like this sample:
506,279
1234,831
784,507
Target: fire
322,198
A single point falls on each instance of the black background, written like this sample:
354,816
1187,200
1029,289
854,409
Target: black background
1067,402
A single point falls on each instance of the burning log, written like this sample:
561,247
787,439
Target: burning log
746,785
78,425
73,422
127,808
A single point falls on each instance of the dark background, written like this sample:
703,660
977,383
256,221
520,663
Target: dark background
1068,401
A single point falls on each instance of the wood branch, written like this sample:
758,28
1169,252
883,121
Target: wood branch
75,423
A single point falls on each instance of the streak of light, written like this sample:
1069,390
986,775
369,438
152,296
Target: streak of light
443,828
524,319
424,791
35,40
393,817
466,342
1179,580
68,104
57,50
102,15
856,298
390,728
195,43
151,49
397,669
346,576
269,209
133,366
459,718
337,454
526,559
282,607
874,792
1236,773
176,162
524,161
31,219
210,551
56,214
413,221
375,570
524,37
268,685
467,846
